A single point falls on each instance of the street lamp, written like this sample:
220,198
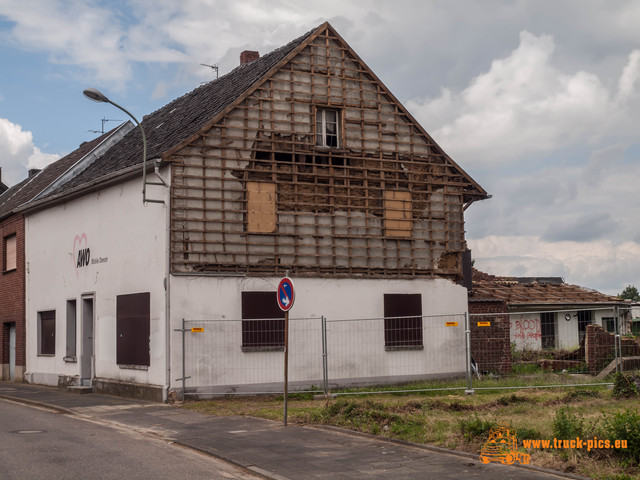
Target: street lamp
98,96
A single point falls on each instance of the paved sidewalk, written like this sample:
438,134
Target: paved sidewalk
270,449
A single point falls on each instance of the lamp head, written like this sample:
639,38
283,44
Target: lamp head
95,95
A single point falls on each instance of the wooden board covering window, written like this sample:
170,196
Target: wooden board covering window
262,320
397,214
261,207
10,253
402,320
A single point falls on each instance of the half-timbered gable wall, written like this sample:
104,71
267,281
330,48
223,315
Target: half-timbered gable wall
319,171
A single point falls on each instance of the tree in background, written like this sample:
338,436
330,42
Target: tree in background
630,293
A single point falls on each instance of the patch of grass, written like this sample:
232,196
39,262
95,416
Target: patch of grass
475,428
453,420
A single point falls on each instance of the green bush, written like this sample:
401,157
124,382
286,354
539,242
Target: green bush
624,426
567,425
624,386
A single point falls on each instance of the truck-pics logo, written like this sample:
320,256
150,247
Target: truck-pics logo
502,447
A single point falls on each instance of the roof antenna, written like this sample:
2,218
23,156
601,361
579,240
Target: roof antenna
213,67
104,120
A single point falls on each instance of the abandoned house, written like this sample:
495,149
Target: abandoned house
546,312
301,162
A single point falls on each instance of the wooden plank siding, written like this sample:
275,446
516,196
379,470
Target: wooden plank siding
386,202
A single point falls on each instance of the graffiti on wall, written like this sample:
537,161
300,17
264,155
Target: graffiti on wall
527,329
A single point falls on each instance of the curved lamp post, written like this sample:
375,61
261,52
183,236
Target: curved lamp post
98,96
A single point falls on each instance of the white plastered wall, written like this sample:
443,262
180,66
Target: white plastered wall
526,329
127,243
356,348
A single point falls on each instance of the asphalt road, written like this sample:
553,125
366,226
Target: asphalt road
39,444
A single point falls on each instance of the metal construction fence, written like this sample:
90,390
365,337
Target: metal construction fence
441,352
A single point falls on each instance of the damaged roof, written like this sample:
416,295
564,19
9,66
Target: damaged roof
523,291
184,117
179,122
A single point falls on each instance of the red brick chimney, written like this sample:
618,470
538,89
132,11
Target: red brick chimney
249,56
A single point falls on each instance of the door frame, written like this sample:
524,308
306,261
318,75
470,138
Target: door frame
87,337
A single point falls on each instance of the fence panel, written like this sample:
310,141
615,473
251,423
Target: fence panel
395,350
247,356
531,344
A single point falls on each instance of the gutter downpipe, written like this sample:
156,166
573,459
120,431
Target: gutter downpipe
167,294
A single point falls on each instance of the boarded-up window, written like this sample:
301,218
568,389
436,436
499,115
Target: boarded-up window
397,214
133,329
262,321
10,253
47,333
402,321
261,207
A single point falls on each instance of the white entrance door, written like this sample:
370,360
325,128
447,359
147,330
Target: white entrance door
12,352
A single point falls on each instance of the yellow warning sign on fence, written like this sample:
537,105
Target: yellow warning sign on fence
484,324
451,324
197,329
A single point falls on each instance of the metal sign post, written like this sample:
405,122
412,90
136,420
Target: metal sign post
286,297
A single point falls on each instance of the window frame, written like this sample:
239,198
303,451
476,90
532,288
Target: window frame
6,267
47,333
71,348
403,325
609,322
321,128
262,322
548,334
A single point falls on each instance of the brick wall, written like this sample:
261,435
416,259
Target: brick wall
12,292
490,346
600,348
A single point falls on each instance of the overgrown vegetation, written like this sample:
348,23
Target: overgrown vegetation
453,420
625,385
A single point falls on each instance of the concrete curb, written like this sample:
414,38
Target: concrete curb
34,403
440,450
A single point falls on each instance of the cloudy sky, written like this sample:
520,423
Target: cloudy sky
538,100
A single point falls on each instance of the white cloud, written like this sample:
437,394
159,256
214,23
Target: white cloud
598,264
18,153
524,105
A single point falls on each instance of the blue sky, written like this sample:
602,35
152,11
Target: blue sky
538,101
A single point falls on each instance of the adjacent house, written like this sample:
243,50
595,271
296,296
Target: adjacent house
546,312
12,234
299,162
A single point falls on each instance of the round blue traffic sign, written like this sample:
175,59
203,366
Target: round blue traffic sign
286,294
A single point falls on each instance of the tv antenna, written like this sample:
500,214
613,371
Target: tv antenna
104,120
213,67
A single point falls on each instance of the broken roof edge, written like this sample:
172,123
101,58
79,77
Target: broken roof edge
303,41
481,192
85,161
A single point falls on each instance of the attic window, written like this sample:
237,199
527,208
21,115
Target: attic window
327,128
